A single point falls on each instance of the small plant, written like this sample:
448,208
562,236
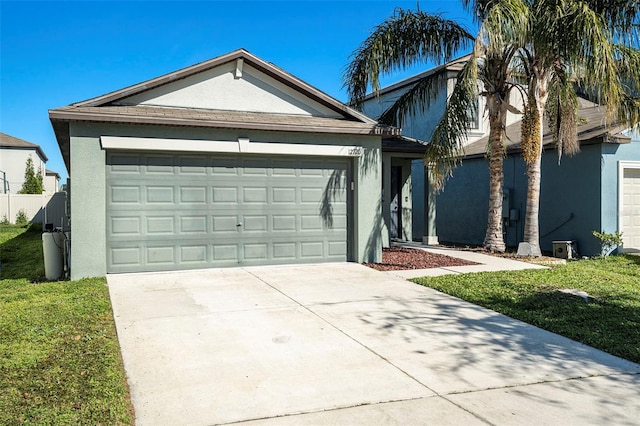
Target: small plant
5,220
21,218
608,242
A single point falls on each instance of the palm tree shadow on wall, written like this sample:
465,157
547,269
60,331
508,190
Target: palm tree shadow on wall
334,190
338,181
337,189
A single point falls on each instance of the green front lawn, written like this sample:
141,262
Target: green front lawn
60,362
610,321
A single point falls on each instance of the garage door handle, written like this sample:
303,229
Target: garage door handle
239,224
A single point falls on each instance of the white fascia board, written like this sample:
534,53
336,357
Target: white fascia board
241,146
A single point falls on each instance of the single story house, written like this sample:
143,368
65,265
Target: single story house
14,153
598,189
228,162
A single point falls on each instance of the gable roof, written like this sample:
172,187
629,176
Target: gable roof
110,108
8,141
592,131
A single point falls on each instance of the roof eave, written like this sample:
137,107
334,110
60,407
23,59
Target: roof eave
70,115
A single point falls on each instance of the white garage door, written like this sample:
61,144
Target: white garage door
167,212
631,210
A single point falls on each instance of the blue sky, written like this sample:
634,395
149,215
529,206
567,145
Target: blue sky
55,53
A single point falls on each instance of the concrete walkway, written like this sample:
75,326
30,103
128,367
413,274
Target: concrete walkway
344,344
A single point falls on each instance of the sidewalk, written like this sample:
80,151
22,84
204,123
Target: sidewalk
485,263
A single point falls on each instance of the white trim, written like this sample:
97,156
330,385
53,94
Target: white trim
239,64
622,165
242,145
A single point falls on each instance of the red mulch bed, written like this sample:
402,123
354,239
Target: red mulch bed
401,258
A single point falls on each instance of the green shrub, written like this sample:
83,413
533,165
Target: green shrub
21,218
5,220
608,242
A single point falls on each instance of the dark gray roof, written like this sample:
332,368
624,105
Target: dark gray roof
8,141
404,144
593,130
105,109
219,119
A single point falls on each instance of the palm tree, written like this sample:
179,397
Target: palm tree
410,37
590,44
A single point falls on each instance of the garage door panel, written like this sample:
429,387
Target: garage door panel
170,212
159,194
160,225
125,194
162,255
254,195
126,226
224,195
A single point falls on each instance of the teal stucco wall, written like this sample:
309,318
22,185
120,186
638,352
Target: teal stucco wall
570,201
578,196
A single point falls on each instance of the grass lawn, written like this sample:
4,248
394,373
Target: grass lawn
611,322
60,361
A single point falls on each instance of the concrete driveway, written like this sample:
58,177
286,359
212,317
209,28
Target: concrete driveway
344,344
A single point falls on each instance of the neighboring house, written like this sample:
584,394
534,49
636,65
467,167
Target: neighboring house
420,126
229,162
598,189
14,153
51,182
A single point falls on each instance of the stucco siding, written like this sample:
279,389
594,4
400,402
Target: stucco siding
613,157
220,88
88,228
461,208
570,202
369,226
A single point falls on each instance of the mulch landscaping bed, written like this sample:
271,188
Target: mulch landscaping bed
401,258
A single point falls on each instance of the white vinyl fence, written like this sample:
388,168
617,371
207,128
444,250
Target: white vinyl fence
38,208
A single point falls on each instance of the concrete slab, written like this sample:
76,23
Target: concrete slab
422,411
333,283
603,400
201,364
168,294
344,344
452,346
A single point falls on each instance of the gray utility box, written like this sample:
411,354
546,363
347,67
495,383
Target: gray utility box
565,249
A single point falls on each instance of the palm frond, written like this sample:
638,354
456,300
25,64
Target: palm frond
629,74
417,99
562,114
405,39
449,136
505,23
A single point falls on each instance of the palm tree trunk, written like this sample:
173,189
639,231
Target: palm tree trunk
494,239
533,169
531,223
